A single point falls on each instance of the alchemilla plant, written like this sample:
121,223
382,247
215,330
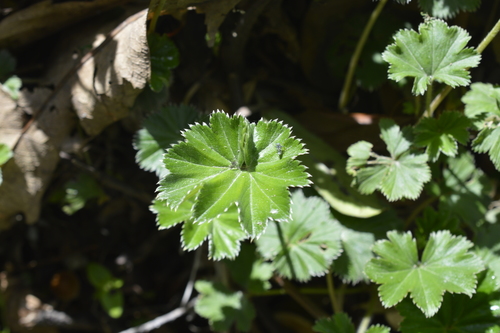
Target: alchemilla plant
236,185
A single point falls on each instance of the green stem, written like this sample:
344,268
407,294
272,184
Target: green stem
428,101
345,93
331,292
156,15
486,41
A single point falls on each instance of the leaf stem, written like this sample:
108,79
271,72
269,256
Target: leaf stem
365,322
486,41
428,101
331,292
345,93
156,15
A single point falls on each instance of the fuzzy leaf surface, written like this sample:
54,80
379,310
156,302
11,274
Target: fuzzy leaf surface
402,175
223,233
232,161
482,98
161,130
305,246
441,135
446,265
436,53
448,8
222,307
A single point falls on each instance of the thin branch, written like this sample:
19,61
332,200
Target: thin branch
161,320
345,93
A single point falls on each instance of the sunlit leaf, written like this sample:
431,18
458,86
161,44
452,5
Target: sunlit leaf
232,161
305,246
401,175
436,53
446,265
448,8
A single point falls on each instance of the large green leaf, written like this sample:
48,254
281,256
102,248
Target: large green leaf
401,175
441,135
161,130
307,245
436,53
232,161
446,265
222,307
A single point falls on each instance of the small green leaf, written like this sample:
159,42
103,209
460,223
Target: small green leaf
75,194
338,323
488,141
161,130
112,303
224,233
378,329
5,155
436,53
482,98
164,57
222,308
441,135
401,175
305,246
448,8
12,86
209,160
445,266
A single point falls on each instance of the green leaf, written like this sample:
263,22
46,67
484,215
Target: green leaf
445,266
307,245
160,131
222,308
441,135
7,63
482,98
448,8
224,233
76,193
164,57
401,175
378,329
112,302
338,323
12,86
432,221
459,314
435,53
235,162
488,141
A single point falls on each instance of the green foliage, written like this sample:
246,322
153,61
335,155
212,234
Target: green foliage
401,175
160,131
446,265
12,86
107,289
5,155
164,57
222,308
436,53
7,64
448,8
441,135
305,246
234,162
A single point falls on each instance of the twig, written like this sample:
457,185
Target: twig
108,181
161,320
331,292
345,93
73,71
189,286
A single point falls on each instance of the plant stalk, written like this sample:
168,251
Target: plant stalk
485,42
345,93
331,292
156,15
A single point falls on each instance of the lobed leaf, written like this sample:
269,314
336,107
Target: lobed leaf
448,8
164,57
401,175
441,135
305,246
235,162
436,53
446,265
222,308
482,98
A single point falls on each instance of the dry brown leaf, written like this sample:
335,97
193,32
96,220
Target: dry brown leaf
101,92
46,17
